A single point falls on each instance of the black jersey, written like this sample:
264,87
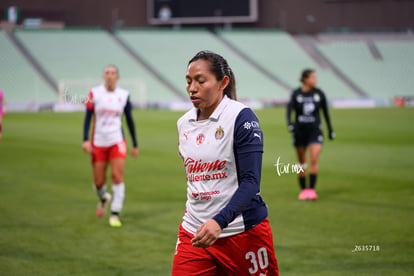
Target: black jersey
307,106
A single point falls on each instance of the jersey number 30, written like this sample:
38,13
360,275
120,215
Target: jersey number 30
261,259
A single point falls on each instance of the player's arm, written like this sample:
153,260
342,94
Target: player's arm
289,108
87,147
131,127
248,148
325,111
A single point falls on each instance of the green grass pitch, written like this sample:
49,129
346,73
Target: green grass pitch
47,207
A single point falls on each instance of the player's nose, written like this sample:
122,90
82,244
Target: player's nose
192,89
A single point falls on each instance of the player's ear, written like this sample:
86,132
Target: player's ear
224,82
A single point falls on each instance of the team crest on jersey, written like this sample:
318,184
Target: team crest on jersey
219,133
200,139
316,98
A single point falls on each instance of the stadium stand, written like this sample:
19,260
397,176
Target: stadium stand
76,58
169,51
278,53
387,75
153,62
22,85
398,57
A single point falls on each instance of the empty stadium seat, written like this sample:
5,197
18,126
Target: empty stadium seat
73,57
19,80
398,58
168,51
386,77
280,55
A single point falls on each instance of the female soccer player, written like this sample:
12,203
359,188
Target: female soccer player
307,101
107,103
2,111
225,230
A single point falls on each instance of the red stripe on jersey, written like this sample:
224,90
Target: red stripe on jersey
89,102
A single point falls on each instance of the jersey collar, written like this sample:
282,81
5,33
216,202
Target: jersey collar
217,112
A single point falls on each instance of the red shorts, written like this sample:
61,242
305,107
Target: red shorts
104,154
248,253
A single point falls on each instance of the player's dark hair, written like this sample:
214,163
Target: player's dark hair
113,66
305,74
220,68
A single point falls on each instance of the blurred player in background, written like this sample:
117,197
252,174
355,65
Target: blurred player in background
225,230
306,102
106,104
2,111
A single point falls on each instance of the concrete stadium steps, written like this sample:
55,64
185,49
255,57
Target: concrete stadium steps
168,52
82,55
387,75
19,80
278,53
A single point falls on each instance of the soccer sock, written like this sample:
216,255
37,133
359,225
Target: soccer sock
118,192
302,182
312,180
101,192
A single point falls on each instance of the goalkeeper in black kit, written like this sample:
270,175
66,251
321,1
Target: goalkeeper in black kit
306,102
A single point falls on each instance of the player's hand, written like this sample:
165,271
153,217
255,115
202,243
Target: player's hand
135,152
291,128
207,234
87,147
332,135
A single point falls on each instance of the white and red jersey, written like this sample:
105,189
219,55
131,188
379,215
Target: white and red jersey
209,149
108,108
